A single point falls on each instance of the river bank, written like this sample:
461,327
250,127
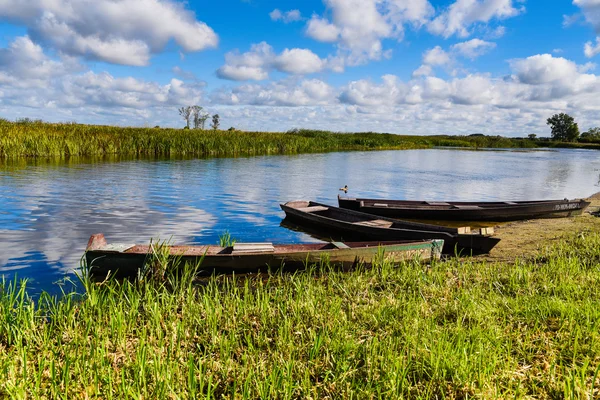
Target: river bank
38,139
524,239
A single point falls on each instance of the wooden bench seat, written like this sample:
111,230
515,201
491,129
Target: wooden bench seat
378,223
243,248
313,209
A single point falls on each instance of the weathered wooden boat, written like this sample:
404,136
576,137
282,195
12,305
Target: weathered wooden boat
355,225
127,260
466,211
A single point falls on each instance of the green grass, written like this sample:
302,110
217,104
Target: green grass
39,139
455,329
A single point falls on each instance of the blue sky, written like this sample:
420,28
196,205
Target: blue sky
399,66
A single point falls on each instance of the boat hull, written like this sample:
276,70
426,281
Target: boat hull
351,225
466,211
126,261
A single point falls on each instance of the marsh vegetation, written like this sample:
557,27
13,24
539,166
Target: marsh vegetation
39,139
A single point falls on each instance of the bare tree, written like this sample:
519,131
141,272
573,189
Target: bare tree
202,119
196,114
215,121
186,113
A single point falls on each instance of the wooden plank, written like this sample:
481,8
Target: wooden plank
253,248
340,245
487,231
312,209
379,223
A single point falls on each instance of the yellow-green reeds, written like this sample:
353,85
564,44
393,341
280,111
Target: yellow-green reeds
38,139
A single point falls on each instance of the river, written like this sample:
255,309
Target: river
48,210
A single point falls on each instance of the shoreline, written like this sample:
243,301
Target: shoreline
524,239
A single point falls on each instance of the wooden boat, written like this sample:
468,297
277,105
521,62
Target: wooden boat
466,211
357,225
126,260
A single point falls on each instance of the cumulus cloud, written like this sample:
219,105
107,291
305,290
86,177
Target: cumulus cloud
30,80
286,93
423,70
436,56
473,48
359,26
544,68
32,83
25,61
590,50
539,81
322,30
591,12
261,59
462,14
124,32
298,61
286,17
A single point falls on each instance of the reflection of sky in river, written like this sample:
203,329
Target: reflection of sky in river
48,212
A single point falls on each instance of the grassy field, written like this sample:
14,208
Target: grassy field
454,329
38,139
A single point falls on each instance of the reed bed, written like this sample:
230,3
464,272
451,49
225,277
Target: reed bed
454,329
39,139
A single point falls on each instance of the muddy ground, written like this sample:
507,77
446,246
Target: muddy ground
523,239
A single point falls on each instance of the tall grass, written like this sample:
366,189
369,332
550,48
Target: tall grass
38,139
457,329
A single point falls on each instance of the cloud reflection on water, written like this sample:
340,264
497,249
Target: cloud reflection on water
48,212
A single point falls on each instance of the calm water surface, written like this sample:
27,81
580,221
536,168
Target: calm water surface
49,210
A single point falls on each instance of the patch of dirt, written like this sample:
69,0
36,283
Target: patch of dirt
523,239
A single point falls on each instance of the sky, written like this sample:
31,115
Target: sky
498,67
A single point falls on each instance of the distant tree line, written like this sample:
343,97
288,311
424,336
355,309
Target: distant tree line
564,129
198,117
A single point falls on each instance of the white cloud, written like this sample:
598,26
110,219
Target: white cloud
359,26
286,17
590,50
261,59
298,61
121,32
33,84
286,93
366,93
436,56
24,60
591,12
473,48
544,68
423,70
322,30
462,14
252,65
